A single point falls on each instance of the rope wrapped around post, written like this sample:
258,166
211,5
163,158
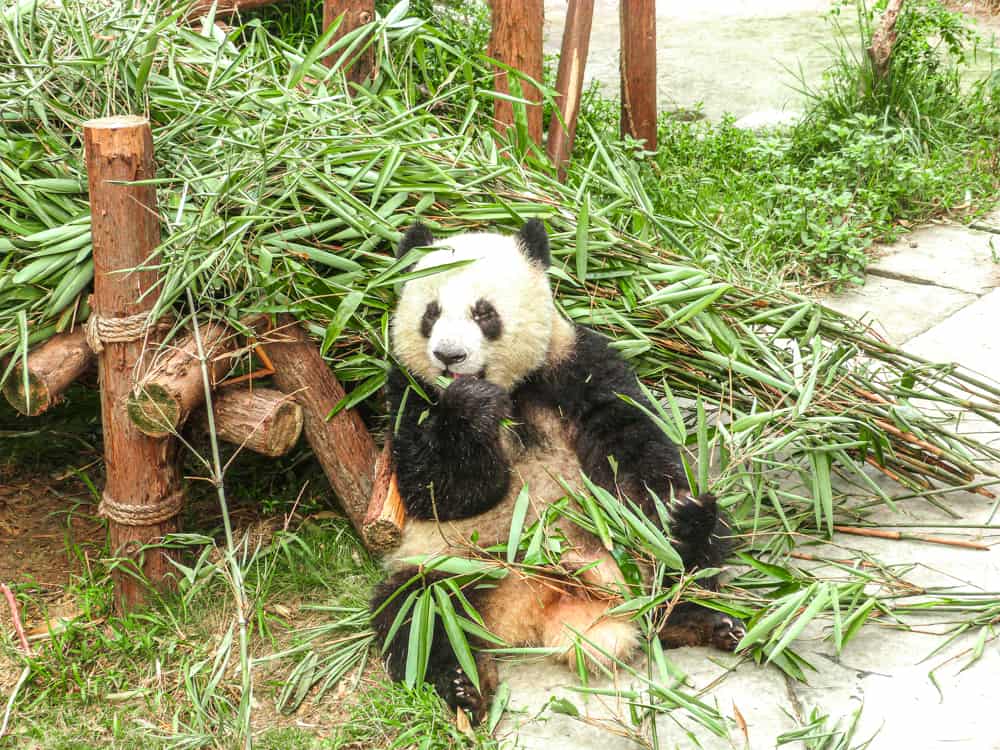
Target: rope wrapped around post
101,331
127,514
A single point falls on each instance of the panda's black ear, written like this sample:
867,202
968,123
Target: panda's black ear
535,242
416,236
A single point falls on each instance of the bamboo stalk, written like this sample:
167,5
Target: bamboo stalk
900,536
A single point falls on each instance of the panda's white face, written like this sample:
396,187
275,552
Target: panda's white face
491,318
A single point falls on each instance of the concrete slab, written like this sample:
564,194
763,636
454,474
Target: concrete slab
969,337
944,255
899,310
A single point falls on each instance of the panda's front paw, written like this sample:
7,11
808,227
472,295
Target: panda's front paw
478,402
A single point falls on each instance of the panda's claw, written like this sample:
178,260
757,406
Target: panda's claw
728,633
464,695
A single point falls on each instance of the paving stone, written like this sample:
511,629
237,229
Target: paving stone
971,337
899,310
944,255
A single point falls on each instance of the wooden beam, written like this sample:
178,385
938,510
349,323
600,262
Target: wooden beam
516,41
264,420
569,82
52,368
342,444
637,19
355,14
172,388
142,481
383,525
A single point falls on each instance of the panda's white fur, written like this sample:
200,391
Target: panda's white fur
497,270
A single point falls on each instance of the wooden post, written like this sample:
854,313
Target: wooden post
356,13
342,444
637,19
516,40
52,368
172,387
264,420
569,82
142,491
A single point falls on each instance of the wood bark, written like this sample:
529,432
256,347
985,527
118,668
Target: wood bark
342,444
226,7
884,39
516,41
569,81
356,13
264,420
173,388
383,525
52,368
141,471
638,70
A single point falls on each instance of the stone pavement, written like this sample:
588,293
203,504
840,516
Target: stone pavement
936,292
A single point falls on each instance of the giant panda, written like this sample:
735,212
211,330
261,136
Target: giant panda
527,398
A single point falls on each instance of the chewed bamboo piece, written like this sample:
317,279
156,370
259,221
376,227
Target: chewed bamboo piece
899,536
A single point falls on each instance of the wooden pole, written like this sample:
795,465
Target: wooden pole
342,444
569,82
52,368
637,19
516,40
142,490
356,13
264,420
172,387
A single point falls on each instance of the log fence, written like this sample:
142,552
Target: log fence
151,390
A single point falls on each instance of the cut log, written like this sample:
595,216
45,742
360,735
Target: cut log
638,70
264,420
342,444
355,14
173,387
383,526
143,490
516,41
569,82
52,368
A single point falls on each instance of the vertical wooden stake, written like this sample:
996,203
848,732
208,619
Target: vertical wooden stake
569,82
516,40
142,472
356,13
638,69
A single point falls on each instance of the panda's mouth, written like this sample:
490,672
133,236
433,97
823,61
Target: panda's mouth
451,374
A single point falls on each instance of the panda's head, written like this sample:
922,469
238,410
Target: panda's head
490,317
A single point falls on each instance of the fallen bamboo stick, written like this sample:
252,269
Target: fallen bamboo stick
900,536
52,367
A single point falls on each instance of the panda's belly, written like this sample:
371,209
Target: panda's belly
539,467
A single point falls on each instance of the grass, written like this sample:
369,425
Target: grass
278,192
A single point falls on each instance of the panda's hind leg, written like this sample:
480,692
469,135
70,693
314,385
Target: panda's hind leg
443,670
701,537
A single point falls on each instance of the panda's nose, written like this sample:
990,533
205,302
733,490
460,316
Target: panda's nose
449,357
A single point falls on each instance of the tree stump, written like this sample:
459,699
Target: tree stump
143,491
52,367
638,70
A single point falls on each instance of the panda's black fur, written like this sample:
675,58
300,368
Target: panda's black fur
451,464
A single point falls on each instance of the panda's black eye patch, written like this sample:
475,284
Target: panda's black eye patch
431,314
488,319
